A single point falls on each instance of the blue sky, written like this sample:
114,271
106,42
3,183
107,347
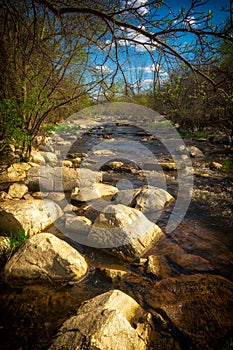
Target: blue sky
136,62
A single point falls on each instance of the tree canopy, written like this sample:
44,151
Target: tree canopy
59,56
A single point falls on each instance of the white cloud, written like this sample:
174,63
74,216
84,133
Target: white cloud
147,81
191,21
103,69
140,41
150,69
139,5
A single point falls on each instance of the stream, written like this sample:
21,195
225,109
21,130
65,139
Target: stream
30,315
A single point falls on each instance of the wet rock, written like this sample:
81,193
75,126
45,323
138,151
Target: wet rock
30,215
199,306
56,196
112,166
190,262
151,201
126,232
112,320
215,166
95,191
40,177
67,163
112,273
4,249
37,157
168,166
50,157
77,156
15,173
56,179
220,139
175,260
195,152
78,223
88,177
45,258
158,266
17,190
4,195
40,195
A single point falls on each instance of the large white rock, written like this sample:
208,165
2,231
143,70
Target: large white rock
50,157
50,179
31,215
92,192
17,190
151,201
110,321
78,223
16,172
88,177
40,178
124,231
37,157
44,257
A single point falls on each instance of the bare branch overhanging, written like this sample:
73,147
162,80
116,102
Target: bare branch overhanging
156,38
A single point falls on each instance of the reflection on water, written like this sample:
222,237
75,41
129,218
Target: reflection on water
31,315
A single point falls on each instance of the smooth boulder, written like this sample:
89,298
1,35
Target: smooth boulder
151,201
17,190
46,178
93,192
198,306
110,321
45,258
30,215
124,231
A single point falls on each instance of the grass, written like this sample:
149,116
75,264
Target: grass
62,128
226,165
197,134
159,124
16,239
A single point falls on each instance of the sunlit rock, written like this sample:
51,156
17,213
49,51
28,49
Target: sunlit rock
46,258
31,215
112,320
17,190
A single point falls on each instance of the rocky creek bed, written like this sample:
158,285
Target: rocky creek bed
177,287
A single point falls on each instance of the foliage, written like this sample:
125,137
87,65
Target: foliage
196,134
41,71
59,57
16,239
227,165
60,129
11,124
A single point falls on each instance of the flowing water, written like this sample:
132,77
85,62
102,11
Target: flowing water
31,315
